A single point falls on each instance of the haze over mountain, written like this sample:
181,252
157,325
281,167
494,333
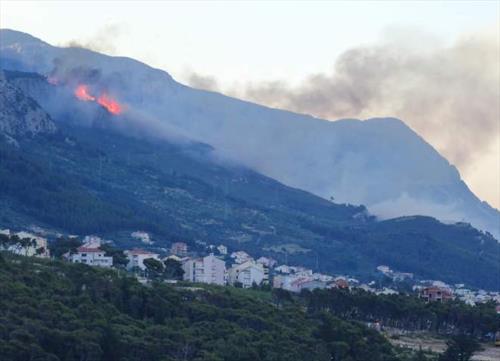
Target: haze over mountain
380,163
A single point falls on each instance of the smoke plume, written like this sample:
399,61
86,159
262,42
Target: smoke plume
448,94
102,41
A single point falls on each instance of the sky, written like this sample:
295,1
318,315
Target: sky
247,48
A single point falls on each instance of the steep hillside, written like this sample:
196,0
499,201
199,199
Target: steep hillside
20,115
380,163
97,179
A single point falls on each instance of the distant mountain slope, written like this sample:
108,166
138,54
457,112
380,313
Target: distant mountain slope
380,163
94,179
20,115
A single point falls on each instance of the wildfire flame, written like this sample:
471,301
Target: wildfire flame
110,104
82,92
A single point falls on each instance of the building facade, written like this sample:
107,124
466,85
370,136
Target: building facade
136,258
247,274
91,257
436,294
209,269
179,249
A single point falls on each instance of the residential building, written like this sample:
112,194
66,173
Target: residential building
302,271
294,283
341,283
241,257
179,249
142,236
436,294
247,273
37,246
137,256
222,249
284,269
308,284
92,241
92,256
267,262
209,269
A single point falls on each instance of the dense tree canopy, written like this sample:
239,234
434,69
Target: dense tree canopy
59,311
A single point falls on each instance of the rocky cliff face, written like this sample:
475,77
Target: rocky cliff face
20,115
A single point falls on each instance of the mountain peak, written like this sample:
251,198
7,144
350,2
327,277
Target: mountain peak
10,37
380,162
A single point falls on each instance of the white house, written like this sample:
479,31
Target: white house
209,269
136,258
179,249
142,236
92,256
222,249
92,241
241,257
247,273
267,262
36,247
283,269
307,284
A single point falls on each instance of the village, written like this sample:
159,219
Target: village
220,267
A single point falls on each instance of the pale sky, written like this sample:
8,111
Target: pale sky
241,42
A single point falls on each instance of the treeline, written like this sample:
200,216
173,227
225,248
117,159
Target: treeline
51,310
404,312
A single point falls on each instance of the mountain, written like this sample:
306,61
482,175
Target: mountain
94,175
20,115
380,163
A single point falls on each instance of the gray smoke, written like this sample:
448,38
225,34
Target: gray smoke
102,40
448,94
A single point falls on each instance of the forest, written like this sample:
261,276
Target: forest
51,310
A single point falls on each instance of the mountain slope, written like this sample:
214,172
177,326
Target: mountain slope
98,179
20,115
380,163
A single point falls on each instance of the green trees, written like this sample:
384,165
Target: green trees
63,245
119,258
52,310
347,342
154,268
460,348
173,269
404,311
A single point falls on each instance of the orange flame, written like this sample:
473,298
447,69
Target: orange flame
82,93
110,104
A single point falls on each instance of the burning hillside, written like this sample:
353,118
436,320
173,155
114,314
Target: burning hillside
82,92
86,93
